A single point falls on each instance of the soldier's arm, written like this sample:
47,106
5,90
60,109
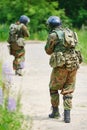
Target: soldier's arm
25,31
51,41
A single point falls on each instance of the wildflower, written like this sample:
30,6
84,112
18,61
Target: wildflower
11,104
6,73
1,96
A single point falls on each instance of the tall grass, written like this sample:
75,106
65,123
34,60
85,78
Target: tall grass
4,29
0,74
11,118
82,35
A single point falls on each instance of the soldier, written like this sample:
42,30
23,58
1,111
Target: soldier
17,33
63,76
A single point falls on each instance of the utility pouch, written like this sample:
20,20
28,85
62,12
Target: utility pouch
72,61
57,60
79,55
20,42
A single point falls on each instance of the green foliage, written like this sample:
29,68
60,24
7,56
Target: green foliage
76,10
82,34
4,28
39,14
10,120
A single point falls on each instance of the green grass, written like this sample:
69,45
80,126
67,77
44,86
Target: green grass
82,35
10,120
13,120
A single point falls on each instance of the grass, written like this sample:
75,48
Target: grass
10,120
82,34
0,74
15,119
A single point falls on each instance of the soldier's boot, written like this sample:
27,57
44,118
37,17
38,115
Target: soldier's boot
55,113
67,116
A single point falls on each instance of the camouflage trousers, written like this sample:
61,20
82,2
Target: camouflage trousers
19,58
64,80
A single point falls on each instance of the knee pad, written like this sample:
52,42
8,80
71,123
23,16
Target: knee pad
67,97
52,92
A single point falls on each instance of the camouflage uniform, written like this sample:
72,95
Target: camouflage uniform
61,78
18,51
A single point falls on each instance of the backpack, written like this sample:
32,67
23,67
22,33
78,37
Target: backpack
16,42
14,30
70,38
67,37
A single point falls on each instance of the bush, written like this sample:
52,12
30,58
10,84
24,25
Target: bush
82,35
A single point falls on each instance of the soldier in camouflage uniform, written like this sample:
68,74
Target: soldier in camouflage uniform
62,78
17,49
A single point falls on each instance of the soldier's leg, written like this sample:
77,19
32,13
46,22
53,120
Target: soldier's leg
15,63
18,64
67,91
67,103
55,103
58,78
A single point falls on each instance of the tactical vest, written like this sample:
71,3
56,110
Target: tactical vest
63,56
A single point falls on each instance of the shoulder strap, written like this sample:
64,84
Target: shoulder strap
60,35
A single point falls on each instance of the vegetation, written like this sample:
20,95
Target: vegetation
0,74
13,120
11,117
76,10
82,34
10,120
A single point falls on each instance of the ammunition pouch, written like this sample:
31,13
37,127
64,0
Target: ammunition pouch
57,60
72,61
20,42
79,56
69,59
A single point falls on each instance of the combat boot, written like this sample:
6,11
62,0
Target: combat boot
67,116
55,113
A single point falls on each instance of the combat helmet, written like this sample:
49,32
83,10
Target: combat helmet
53,21
24,19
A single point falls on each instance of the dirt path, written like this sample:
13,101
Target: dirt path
35,93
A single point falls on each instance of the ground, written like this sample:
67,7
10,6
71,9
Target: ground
35,98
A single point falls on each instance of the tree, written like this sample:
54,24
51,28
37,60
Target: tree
76,10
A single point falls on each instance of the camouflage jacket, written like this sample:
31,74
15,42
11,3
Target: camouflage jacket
24,31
